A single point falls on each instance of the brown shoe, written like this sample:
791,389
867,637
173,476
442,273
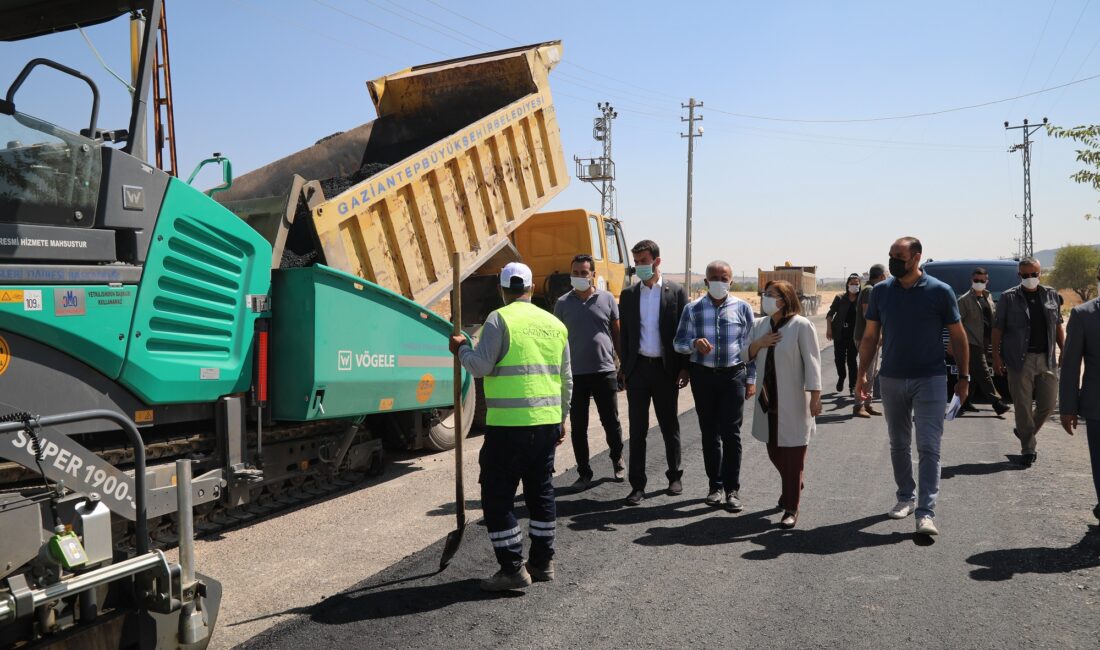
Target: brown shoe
860,412
870,409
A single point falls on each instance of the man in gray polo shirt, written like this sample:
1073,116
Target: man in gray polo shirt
592,317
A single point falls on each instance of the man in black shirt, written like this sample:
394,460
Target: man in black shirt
1026,329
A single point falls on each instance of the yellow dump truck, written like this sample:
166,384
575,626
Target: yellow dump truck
549,241
804,279
461,157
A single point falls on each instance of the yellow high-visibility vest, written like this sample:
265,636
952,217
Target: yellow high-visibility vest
524,388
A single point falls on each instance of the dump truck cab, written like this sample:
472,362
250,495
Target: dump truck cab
549,241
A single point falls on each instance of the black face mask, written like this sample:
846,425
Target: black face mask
898,268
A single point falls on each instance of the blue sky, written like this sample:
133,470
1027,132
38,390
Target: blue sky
257,80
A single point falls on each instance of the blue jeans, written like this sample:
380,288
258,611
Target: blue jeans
920,401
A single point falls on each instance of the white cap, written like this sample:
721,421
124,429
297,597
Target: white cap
514,271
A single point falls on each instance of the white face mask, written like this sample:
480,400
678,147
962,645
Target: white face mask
580,284
853,288
1030,283
978,286
770,305
718,289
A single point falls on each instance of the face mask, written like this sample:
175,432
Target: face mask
644,271
1030,283
718,289
978,286
580,284
770,305
898,268
853,288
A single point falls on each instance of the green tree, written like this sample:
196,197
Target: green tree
1075,268
1089,155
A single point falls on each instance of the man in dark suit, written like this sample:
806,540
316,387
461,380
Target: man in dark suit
1077,399
649,313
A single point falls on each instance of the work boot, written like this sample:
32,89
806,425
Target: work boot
871,410
504,581
582,483
860,412
541,574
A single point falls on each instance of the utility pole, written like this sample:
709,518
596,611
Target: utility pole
691,119
600,172
1027,242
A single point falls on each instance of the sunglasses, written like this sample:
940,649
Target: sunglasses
1029,275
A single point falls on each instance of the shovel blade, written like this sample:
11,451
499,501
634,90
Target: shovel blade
450,547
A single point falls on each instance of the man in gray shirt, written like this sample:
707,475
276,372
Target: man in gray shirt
592,317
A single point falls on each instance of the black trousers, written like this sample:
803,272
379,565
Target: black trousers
719,403
602,387
509,456
981,380
846,355
651,383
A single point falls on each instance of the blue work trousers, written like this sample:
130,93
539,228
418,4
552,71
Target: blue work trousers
510,456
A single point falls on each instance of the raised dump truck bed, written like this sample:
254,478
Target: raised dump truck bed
462,153
804,279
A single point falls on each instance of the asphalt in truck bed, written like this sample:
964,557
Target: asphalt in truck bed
1017,563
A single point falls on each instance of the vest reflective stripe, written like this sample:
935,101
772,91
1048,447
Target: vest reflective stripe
525,387
513,371
522,402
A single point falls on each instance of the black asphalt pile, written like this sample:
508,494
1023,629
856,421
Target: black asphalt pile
334,186
302,244
1017,564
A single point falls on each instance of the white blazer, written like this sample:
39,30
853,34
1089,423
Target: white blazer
797,370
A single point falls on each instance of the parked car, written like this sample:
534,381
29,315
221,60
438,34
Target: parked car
957,274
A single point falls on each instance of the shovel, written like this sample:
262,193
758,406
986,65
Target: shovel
454,538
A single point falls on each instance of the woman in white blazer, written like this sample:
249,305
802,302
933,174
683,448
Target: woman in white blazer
788,367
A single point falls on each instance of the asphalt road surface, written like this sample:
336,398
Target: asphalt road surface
1017,563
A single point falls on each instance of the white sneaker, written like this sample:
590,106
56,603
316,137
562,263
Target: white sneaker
902,510
925,526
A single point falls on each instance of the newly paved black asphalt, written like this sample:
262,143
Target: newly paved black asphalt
1017,563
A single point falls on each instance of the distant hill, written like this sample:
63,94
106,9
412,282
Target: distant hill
1046,257
696,278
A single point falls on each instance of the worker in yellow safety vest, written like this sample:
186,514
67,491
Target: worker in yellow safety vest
523,354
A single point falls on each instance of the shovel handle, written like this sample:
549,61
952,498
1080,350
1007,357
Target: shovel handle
456,318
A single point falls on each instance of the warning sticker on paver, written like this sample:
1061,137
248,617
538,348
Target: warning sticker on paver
425,388
11,295
5,355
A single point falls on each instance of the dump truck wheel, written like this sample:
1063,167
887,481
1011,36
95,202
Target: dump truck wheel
441,435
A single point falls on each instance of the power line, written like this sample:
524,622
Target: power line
909,115
380,28
472,21
1031,61
1064,46
467,43
304,28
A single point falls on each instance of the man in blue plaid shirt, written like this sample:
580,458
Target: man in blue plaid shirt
715,330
